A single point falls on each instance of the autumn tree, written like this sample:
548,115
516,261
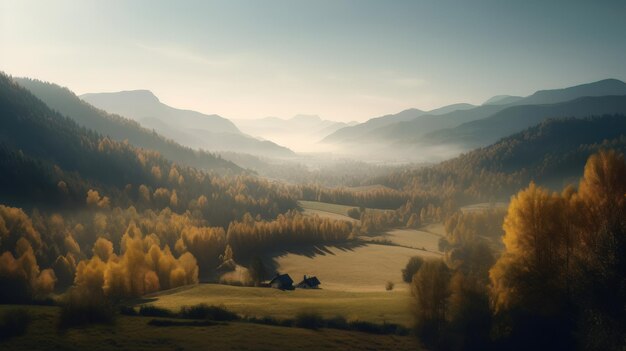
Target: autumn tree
430,292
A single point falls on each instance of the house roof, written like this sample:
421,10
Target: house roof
310,281
283,279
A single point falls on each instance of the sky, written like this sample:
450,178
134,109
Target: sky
342,60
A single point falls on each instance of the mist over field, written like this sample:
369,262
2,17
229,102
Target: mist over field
354,175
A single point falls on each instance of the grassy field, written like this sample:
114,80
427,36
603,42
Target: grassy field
134,333
378,307
418,239
358,269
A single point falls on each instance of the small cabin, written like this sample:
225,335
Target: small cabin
282,282
309,283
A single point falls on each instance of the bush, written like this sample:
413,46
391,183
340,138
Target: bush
203,311
83,309
389,286
14,322
128,311
309,320
337,322
373,328
175,323
153,311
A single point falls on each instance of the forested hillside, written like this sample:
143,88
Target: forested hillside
551,153
120,128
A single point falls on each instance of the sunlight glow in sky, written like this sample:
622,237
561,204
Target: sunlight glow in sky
342,60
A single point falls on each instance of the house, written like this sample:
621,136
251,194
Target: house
282,282
309,283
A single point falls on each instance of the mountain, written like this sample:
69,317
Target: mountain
140,104
551,153
189,128
600,88
299,132
516,118
359,130
119,128
40,149
411,130
502,100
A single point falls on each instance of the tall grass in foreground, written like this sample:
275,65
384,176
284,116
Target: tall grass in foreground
308,320
14,322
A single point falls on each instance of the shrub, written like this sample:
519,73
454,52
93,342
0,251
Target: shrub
389,286
337,322
411,268
128,311
309,320
154,311
203,311
14,322
175,323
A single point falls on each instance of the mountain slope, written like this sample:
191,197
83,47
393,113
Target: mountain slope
426,123
552,153
189,128
45,148
140,104
119,128
359,130
600,88
516,118
502,100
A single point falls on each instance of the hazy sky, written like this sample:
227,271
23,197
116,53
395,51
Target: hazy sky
343,60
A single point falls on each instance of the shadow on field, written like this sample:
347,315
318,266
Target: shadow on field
308,251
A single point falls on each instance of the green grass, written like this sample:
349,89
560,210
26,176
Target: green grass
134,333
376,307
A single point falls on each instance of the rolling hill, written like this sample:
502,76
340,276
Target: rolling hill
190,128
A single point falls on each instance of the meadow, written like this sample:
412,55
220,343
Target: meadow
378,307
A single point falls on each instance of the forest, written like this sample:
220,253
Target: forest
555,284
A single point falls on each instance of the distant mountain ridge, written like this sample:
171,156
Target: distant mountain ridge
513,119
190,128
362,129
412,127
502,100
141,104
